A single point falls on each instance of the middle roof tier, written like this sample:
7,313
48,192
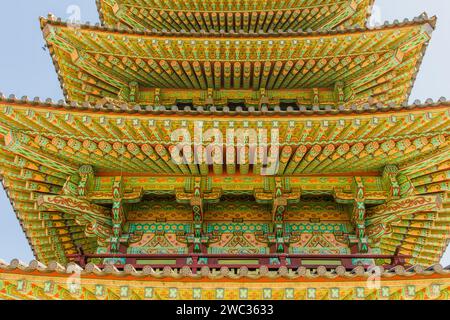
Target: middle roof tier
333,68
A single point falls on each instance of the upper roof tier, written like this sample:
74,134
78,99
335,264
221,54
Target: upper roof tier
234,15
330,68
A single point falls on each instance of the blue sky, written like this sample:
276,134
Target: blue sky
26,69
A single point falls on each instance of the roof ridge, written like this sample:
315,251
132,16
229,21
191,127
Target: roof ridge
369,107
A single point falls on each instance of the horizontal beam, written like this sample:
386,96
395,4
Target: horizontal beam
241,256
216,261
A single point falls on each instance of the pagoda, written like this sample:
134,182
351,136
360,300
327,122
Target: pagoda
230,149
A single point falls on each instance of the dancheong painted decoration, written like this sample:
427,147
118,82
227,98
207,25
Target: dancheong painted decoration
230,149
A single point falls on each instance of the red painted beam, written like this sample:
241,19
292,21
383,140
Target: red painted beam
295,260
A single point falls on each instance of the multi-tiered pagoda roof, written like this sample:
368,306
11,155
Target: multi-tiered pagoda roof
362,176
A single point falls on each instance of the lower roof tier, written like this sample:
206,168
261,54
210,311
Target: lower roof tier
335,68
248,16
37,281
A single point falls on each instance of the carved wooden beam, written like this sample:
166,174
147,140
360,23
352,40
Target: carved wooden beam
358,216
390,181
197,198
96,219
380,218
118,215
86,173
279,197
